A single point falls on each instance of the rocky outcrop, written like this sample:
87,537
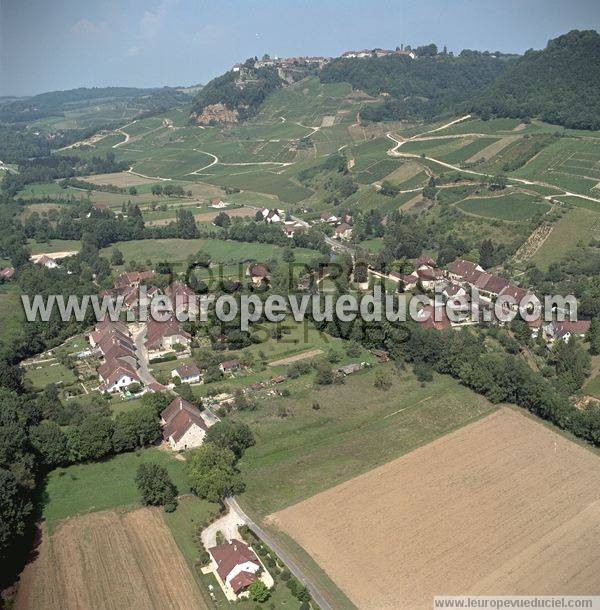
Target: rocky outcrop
216,113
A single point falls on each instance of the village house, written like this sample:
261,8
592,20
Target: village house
258,273
133,279
329,218
165,336
436,319
273,215
114,343
229,366
429,277
187,373
236,566
184,427
47,262
7,274
424,262
116,377
405,281
290,227
563,331
218,204
344,231
183,298
464,271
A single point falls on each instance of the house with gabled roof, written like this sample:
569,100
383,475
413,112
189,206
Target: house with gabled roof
236,567
7,273
258,273
47,262
184,426
164,336
187,373
344,231
464,271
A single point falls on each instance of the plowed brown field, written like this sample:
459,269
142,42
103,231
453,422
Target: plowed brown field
502,506
109,561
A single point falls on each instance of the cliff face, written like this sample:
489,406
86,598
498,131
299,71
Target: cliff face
216,113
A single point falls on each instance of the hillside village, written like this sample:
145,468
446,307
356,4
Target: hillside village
261,466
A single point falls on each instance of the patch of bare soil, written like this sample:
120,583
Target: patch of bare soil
502,506
109,561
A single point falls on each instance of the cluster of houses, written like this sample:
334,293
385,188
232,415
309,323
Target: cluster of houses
289,226
459,279
114,343
379,53
342,225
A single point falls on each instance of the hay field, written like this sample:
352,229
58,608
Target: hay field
111,561
502,506
122,179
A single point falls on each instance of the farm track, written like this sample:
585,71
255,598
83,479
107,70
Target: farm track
394,152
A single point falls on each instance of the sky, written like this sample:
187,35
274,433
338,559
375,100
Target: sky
48,45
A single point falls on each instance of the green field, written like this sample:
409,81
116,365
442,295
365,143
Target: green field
85,488
53,245
176,251
355,429
577,225
515,207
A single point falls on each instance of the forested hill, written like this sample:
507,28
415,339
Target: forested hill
56,103
560,84
417,88
240,92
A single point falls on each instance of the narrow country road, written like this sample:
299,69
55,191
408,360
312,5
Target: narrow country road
234,507
142,355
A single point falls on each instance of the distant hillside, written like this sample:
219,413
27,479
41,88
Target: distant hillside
236,95
560,84
57,103
424,87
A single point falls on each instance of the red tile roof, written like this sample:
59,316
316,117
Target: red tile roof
242,581
177,404
464,269
495,285
181,423
187,370
157,331
231,554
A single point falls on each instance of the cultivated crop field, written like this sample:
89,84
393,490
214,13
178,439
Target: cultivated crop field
577,224
572,164
502,506
514,207
110,560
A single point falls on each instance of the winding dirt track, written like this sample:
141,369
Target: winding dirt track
503,506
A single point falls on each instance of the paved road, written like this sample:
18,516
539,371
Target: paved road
142,354
283,555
